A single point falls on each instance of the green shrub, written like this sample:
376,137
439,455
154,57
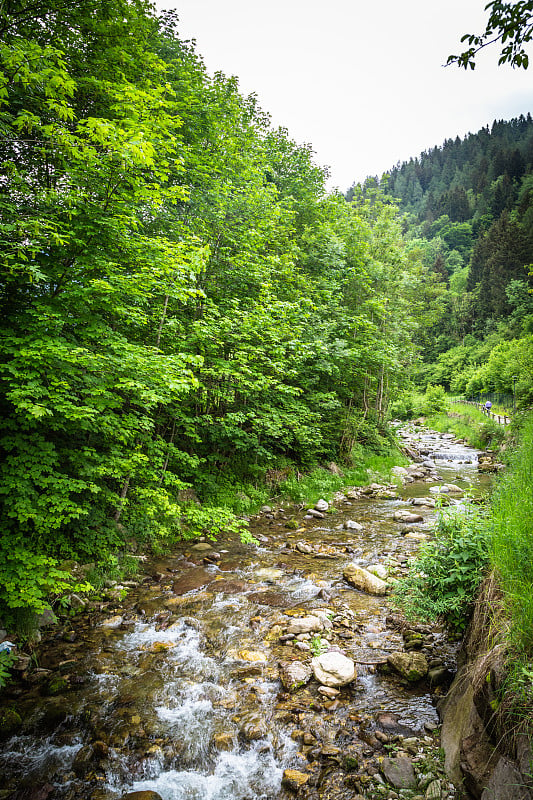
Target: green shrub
444,578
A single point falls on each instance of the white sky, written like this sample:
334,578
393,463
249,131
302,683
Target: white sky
363,82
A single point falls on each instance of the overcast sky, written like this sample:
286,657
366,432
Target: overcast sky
363,82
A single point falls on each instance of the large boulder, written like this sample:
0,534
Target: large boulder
333,669
364,580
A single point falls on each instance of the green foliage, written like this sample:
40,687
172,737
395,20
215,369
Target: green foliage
207,521
7,659
512,540
183,306
317,645
413,404
468,423
510,24
444,578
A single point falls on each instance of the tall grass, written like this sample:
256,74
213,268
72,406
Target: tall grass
512,540
466,422
323,483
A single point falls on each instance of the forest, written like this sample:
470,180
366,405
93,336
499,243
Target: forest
185,310
187,313
467,209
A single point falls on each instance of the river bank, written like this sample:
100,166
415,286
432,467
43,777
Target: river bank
186,686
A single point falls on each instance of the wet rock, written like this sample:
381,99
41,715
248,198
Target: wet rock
399,772
403,515
266,510
112,622
352,525
147,795
229,587
321,505
446,488
192,579
83,761
305,625
412,666
333,669
253,728
10,722
272,599
303,547
224,741
251,655
293,779
429,502
201,547
312,512
363,580
292,524
294,674
269,574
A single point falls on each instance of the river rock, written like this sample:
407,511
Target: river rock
364,580
434,792
201,547
400,472
269,574
251,655
321,505
192,579
352,525
10,721
293,779
303,547
333,669
112,622
312,512
380,571
294,674
403,515
399,772
305,625
446,488
413,665
146,795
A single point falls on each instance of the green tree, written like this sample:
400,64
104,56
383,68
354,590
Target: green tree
510,24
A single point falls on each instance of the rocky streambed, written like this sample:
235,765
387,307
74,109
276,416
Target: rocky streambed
232,672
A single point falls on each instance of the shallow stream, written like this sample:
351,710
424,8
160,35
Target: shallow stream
176,689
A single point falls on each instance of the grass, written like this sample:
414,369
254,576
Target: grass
512,539
466,422
321,483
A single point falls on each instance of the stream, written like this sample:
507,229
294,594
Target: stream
174,691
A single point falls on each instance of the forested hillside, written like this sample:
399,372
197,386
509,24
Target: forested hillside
184,308
468,213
